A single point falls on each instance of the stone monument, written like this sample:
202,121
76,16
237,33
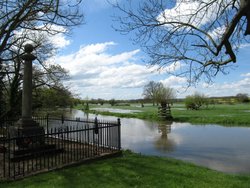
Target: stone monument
26,126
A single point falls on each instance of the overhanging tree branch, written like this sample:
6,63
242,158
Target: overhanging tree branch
205,35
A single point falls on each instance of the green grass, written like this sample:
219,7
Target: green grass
134,170
228,115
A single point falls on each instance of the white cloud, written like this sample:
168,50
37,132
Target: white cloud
174,81
210,90
184,11
226,88
55,35
173,67
218,32
96,48
94,58
59,40
244,45
179,84
97,72
246,75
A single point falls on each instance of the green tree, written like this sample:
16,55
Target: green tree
52,77
112,102
242,97
196,101
52,97
100,101
165,95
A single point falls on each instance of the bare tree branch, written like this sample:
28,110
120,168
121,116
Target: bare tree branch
203,35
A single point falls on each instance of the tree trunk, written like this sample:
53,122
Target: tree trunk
245,6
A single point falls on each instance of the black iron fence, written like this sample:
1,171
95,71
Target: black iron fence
64,142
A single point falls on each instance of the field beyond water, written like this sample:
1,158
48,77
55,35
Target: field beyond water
223,114
133,170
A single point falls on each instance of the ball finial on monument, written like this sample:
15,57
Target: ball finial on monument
28,48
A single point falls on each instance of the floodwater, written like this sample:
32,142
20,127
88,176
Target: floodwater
122,111
225,149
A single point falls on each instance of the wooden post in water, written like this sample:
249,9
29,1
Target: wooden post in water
164,111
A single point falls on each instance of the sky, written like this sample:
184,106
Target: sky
103,63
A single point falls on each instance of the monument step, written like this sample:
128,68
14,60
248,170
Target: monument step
38,151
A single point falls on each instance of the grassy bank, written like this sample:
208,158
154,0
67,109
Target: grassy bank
230,115
237,114
134,170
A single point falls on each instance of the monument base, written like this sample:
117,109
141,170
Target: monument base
29,141
26,122
36,152
28,133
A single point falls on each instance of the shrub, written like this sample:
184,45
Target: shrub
196,101
112,102
242,98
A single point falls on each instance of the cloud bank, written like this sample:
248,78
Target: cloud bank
98,73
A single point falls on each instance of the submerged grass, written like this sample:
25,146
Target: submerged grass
134,170
228,115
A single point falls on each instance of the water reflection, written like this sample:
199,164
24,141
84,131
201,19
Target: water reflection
221,148
164,144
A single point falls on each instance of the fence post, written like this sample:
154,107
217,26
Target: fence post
119,133
62,119
47,122
58,152
96,126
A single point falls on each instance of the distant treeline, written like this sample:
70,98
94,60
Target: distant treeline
239,98
113,102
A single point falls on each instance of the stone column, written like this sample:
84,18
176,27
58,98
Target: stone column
28,57
26,126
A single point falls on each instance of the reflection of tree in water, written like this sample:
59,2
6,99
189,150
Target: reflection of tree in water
163,143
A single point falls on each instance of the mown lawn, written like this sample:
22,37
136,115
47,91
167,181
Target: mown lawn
134,170
223,114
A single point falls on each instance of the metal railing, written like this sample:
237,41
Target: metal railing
64,142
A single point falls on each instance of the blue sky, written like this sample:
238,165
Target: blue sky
105,64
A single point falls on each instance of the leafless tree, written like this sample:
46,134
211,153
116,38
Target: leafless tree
201,38
32,21
158,93
150,91
34,15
